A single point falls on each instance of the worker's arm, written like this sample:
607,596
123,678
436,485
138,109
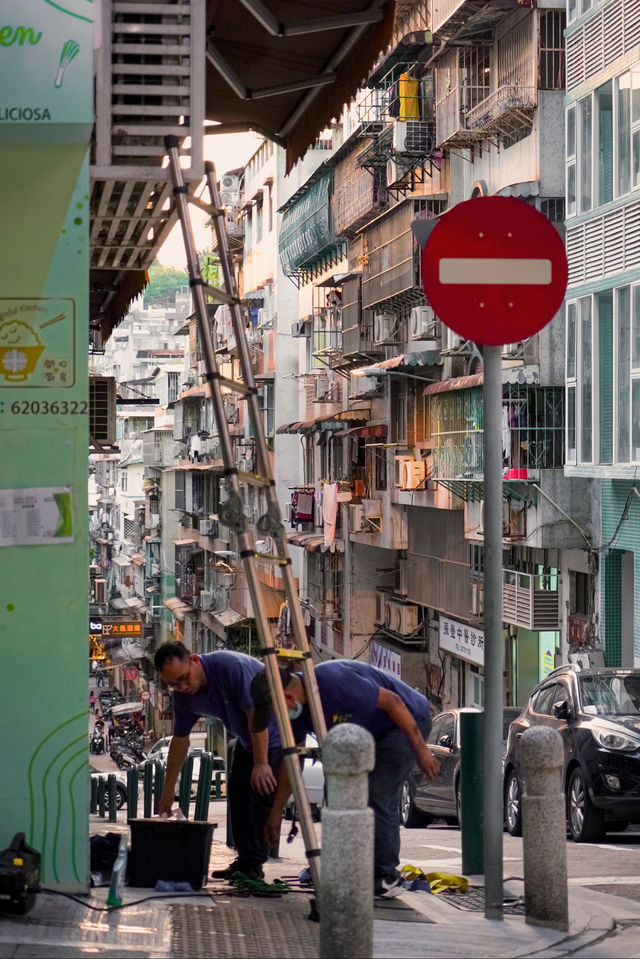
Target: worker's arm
398,712
262,779
178,749
274,821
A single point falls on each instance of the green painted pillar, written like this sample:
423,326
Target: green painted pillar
46,78
471,793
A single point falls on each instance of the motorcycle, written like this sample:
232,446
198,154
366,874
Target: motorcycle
96,743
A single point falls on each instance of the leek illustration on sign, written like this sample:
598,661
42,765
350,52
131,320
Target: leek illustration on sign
35,516
69,51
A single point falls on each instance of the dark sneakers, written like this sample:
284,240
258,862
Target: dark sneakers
388,888
251,872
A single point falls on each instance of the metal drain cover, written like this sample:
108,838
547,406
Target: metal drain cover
473,901
242,933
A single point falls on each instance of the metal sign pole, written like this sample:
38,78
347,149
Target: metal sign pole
493,645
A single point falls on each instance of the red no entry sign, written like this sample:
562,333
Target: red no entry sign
145,695
494,269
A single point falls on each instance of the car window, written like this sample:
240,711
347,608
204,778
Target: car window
611,695
443,725
542,702
508,715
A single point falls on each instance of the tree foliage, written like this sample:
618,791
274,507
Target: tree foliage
162,281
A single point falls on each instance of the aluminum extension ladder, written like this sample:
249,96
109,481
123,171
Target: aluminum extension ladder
231,512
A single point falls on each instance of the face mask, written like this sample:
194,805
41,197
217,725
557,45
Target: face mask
294,713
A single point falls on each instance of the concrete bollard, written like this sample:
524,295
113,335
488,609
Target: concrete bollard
346,881
544,830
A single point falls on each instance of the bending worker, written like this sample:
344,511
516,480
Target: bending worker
218,684
397,717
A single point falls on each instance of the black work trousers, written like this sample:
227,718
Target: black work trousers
248,810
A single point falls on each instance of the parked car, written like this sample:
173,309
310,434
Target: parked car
121,787
313,779
423,799
597,714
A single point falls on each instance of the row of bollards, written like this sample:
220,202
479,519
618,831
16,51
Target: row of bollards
346,884
104,790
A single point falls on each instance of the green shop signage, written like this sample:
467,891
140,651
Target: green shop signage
45,53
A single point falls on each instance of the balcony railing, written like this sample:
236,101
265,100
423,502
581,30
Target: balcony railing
505,111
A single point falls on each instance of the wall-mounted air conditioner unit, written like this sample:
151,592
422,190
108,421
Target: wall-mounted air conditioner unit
402,617
511,350
385,328
299,328
455,343
477,599
225,579
264,317
361,385
205,599
102,409
413,473
399,469
230,189
355,517
206,527
201,368
235,226
413,136
396,172
100,592
382,611
322,386
424,326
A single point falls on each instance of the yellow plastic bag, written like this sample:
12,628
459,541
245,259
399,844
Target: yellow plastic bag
439,881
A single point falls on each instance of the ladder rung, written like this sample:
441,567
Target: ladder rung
236,385
270,558
253,479
221,295
290,653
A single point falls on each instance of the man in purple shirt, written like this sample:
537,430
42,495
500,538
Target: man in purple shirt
397,717
219,685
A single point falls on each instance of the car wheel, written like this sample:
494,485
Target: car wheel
410,817
513,804
586,823
121,797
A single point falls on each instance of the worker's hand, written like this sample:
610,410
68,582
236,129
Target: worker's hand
272,829
262,779
165,803
428,763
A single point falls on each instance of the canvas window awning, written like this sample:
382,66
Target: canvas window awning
177,607
314,543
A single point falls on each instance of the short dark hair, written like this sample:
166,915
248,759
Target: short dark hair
167,651
261,695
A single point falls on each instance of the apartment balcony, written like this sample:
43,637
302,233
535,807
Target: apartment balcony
506,113
469,18
158,448
531,601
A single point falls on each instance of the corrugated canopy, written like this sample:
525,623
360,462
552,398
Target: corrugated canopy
327,422
285,69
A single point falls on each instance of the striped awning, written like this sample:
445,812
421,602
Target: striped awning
332,421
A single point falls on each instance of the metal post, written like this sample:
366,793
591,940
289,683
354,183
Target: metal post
102,806
472,824
204,787
158,783
132,793
186,777
93,802
147,787
493,645
111,792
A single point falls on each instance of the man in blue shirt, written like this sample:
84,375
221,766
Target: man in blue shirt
218,684
397,717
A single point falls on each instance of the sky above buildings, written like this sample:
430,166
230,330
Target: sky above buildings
227,151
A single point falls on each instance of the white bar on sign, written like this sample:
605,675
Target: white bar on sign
461,270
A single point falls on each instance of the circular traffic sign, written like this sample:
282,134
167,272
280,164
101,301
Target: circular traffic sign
145,695
495,270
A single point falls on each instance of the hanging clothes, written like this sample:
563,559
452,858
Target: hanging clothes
304,509
329,511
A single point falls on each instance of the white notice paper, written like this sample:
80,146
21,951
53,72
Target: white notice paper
35,516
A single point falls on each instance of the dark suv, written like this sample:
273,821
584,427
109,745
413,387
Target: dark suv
597,713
